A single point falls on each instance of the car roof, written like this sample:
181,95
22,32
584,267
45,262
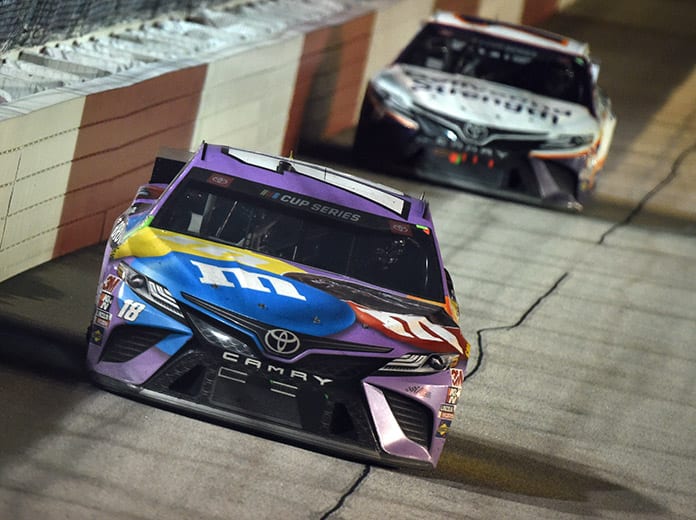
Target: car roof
522,33
394,201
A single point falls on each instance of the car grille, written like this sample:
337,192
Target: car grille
259,329
127,342
283,393
340,368
414,419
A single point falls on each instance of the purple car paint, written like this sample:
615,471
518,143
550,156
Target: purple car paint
285,297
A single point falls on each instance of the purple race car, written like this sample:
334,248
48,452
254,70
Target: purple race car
284,297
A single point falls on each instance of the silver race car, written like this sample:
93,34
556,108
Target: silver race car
492,107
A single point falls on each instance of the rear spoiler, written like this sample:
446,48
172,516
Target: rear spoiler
168,164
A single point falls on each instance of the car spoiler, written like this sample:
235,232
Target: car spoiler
168,164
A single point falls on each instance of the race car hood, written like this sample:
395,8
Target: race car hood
484,102
282,295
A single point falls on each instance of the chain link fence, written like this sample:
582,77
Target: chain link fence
28,23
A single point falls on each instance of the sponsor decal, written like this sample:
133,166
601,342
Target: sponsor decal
453,393
445,407
97,335
446,411
474,132
502,100
105,300
443,428
102,318
445,415
420,391
238,277
457,377
280,341
118,231
274,370
400,228
219,180
413,329
110,283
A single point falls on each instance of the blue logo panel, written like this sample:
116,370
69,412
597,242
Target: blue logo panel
261,295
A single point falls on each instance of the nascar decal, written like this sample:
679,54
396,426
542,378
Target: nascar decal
417,330
310,204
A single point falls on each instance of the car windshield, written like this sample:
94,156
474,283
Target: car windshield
538,70
389,254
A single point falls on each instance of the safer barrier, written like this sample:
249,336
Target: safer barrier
71,157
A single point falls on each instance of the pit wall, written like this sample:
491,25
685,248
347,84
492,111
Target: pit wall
71,158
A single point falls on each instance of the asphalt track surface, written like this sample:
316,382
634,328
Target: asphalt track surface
580,398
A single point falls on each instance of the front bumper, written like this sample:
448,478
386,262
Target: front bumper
326,400
505,169
359,421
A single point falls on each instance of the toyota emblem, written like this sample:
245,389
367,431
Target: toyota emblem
282,342
475,132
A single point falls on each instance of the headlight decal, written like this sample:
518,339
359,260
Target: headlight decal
421,363
149,290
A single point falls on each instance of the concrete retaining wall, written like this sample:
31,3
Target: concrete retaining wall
71,158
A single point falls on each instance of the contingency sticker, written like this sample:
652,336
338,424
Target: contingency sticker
102,318
446,411
457,377
443,428
105,300
97,335
453,394
110,283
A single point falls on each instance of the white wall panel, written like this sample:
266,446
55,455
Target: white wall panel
247,95
395,25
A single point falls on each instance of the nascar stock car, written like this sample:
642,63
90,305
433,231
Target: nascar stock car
284,298
492,107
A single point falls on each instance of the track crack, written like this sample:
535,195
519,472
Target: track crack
519,322
654,191
349,492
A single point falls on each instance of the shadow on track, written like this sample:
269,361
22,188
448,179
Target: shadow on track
531,478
